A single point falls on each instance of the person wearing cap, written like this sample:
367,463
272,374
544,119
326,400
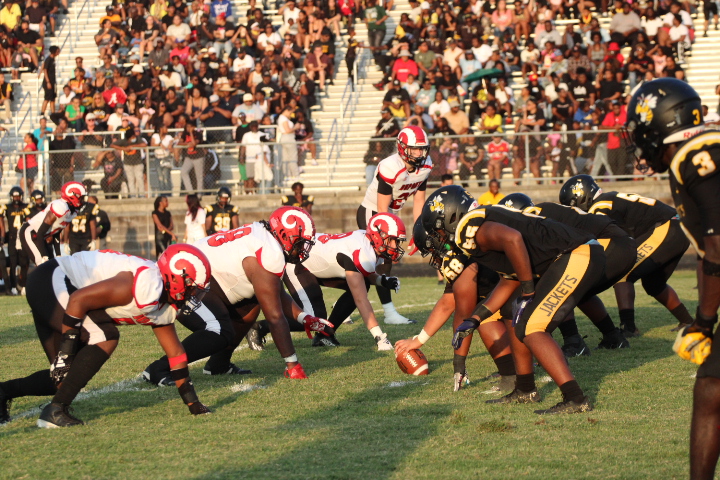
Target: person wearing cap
397,100
113,94
257,159
625,25
222,32
139,83
388,126
452,53
160,54
374,17
576,60
457,119
638,65
248,108
217,114
243,62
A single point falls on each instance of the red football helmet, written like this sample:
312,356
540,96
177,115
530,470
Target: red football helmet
294,228
382,228
413,137
185,271
74,193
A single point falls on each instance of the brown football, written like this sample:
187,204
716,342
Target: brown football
413,363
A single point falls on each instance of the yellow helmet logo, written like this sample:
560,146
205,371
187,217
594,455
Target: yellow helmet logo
578,190
644,107
436,205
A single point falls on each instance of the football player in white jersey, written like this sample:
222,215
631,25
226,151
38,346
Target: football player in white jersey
77,302
399,177
346,261
37,233
248,264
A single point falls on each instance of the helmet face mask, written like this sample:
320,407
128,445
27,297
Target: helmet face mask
386,232
413,138
294,230
443,210
16,194
427,245
185,271
74,193
223,196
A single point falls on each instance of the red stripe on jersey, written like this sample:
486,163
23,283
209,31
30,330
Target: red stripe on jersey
356,261
54,213
137,274
391,181
258,255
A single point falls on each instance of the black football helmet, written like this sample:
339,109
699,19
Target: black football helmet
444,209
518,201
38,197
16,194
224,192
580,191
427,245
660,112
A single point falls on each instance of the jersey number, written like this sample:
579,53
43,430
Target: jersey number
469,243
337,236
222,223
453,269
17,222
704,160
224,237
78,224
631,197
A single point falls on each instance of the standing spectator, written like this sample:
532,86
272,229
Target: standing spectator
457,119
493,195
287,142
404,66
221,7
27,164
132,146
6,97
194,220
162,218
304,136
256,157
318,66
375,17
62,164
613,122
471,159
299,200
49,81
217,115
194,157
113,170
248,108
163,143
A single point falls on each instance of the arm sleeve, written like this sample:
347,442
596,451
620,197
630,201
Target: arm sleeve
423,186
384,188
346,262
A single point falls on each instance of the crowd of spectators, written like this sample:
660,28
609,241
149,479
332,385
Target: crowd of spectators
450,67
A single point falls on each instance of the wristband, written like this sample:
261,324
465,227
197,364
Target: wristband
187,392
378,280
72,322
482,311
301,318
703,321
710,268
175,361
423,336
291,359
527,287
180,373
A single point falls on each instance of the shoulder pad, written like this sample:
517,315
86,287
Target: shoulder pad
95,210
284,199
209,208
310,198
27,211
3,209
235,209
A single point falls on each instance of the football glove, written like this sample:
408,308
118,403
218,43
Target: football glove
391,283
412,248
198,408
65,249
315,324
93,245
295,372
65,356
467,327
693,343
519,306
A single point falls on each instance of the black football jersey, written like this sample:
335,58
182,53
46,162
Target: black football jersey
544,239
455,263
635,214
221,217
79,228
600,226
16,215
35,209
103,222
291,201
696,187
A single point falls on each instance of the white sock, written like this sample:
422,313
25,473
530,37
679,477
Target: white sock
389,308
376,332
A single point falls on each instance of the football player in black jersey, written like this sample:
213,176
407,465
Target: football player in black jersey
665,131
221,216
305,202
102,222
620,253
82,233
659,238
554,266
16,212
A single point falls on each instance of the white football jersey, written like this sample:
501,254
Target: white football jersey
227,250
146,308
323,262
61,210
404,184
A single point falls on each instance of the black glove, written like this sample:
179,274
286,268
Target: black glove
391,283
198,408
519,306
69,346
467,327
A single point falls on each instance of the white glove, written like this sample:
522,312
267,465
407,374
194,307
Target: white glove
65,249
42,260
93,245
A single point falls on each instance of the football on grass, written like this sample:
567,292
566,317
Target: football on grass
413,363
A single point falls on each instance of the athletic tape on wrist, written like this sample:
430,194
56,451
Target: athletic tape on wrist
527,287
423,336
180,373
379,280
710,268
175,361
482,311
301,317
291,359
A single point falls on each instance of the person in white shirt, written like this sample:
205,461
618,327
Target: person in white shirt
439,107
710,118
411,86
248,108
243,62
452,53
286,129
194,220
178,31
289,11
257,159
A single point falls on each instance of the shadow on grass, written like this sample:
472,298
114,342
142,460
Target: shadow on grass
370,433
18,334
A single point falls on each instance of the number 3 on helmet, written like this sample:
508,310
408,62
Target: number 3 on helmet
74,193
185,271
413,138
381,229
294,229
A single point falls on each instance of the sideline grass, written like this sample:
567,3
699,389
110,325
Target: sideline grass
358,416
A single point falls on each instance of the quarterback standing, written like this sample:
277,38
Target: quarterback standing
665,128
399,177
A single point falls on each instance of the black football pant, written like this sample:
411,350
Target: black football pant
79,245
620,253
18,257
363,217
35,247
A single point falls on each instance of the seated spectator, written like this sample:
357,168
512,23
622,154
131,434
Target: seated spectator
549,33
37,16
672,69
498,156
217,114
248,109
404,66
625,25
493,195
113,94
113,170
388,126
318,67
148,36
439,107
420,118
562,107
457,119
29,41
467,65
74,113
397,100
447,82
304,92
10,15
530,59
178,31
106,38
223,32
608,88
426,60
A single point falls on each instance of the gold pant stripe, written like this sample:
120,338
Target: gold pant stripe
649,246
576,268
494,318
605,242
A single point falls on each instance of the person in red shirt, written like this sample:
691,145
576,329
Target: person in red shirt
404,66
614,120
498,152
112,94
182,51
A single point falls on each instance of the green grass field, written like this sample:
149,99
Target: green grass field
358,415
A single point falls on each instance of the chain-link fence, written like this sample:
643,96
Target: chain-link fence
144,163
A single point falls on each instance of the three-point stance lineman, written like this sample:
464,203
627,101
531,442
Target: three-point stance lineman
77,302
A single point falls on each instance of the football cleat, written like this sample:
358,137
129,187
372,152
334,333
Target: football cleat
295,372
57,415
255,340
575,346
14,291
22,291
348,321
383,344
680,326
629,333
614,340
231,369
569,406
460,380
163,382
325,341
5,402
517,396
394,318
